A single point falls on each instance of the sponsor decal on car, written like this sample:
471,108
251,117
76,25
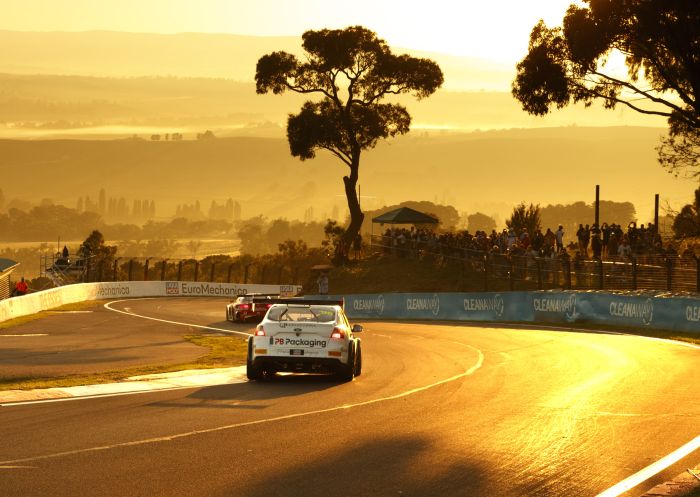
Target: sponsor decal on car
643,311
489,304
431,304
300,342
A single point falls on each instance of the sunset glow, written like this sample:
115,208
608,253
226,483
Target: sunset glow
491,30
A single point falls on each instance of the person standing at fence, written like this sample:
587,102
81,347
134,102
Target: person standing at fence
559,235
357,246
21,287
323,283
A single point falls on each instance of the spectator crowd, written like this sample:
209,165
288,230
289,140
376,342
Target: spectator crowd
609,241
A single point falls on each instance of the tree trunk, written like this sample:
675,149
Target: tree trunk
356,215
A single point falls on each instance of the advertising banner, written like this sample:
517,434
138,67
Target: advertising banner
50,299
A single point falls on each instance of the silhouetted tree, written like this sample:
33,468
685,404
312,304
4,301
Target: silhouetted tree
687,222
349,120
659,39
525,218
480,222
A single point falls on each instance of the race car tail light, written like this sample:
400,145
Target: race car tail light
244,306
260,331
337,333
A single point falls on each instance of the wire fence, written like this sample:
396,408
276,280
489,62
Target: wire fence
497,271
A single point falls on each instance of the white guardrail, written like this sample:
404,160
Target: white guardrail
56,297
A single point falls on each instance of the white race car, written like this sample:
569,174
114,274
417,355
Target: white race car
305,337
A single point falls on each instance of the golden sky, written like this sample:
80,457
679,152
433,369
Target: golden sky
495,29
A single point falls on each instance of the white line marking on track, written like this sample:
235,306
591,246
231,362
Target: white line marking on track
169,438
27,335
129,313
652,469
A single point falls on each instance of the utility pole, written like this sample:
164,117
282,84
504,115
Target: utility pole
597,205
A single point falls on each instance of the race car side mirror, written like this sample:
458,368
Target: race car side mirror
356,328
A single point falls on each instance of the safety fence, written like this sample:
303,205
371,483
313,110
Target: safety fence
50,299
498,271
157,269
646,310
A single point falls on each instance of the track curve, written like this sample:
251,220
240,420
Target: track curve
441,409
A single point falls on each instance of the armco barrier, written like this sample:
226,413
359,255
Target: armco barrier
56,297
650,310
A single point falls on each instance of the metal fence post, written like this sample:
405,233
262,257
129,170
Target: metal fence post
131,269
211,272
567,268
669,274
145,269
697,273
228,278
115,274
634,273
486,272
512,274
196,270
601,275
162,270
538,266
179,271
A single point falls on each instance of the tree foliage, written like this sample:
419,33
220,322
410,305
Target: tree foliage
525,218
480,222
687,222
351,70
660,40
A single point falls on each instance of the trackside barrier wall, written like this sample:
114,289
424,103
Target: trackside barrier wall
69,294
651,310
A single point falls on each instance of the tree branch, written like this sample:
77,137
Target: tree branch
339,154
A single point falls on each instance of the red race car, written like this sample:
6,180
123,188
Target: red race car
250,306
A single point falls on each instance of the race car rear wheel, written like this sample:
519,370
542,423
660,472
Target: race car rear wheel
253,371
358,360
347,371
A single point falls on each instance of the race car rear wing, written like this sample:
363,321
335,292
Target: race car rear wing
303,301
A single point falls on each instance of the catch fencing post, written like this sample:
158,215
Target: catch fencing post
669,274
179,271
162,270
131,269
538,266
114,269
196,270
512,273
145,269
211,273
486,272
228,278
634,273
567,268
601,276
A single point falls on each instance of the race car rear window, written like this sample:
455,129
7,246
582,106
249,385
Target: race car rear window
313,314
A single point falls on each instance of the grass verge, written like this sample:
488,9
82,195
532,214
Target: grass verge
224,352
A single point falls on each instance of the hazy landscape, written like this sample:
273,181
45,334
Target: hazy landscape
103,118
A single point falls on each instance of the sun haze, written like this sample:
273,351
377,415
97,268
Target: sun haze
491,30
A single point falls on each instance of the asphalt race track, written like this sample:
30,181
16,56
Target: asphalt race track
440,410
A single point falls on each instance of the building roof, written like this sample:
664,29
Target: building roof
7,265
405,215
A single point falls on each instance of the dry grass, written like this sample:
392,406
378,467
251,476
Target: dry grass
224,351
